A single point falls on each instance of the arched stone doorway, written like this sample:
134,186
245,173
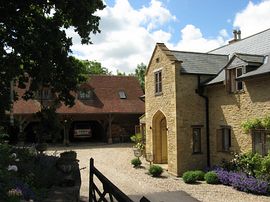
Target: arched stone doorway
160,141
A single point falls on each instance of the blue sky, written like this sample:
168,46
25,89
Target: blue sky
131,28
210,15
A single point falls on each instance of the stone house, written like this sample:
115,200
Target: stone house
106,109
195,102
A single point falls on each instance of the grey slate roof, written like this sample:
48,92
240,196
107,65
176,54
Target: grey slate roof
200,63
219,78
259,59
250,58
256,44
264,69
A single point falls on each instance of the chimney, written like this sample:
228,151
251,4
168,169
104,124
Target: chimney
236,36
239,34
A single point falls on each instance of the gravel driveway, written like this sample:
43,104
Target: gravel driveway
114,162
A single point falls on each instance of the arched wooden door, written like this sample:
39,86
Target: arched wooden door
164,145
160,140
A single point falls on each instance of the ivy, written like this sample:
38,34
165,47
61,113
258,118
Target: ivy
251,124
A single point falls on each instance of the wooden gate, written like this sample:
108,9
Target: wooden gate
109,193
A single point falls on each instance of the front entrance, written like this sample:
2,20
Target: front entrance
160,141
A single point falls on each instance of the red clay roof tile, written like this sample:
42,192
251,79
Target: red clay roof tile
106,100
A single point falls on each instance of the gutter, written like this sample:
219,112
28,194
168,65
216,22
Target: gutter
200,91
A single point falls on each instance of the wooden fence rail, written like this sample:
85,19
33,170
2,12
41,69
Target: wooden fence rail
109,193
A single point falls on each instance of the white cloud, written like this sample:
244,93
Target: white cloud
254,18
192,40
224,33
155,14
161,36
127,37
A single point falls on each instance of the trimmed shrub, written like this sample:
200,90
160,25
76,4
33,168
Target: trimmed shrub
136,162
199,175
189,177
155,170
211,178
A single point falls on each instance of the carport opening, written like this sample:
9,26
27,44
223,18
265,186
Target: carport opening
31,133
87,131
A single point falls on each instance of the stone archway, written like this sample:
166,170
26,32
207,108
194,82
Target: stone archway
160,142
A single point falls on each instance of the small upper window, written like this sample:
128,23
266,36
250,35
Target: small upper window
122,94
239,84
232,84
85,94
158,82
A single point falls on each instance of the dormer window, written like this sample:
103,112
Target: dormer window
239,72
85,95
234,85
122,94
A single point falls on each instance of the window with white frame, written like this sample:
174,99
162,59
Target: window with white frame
85,94
239,72
158,82
234,85
122,94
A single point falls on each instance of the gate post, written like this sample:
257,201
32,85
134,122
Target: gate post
91,180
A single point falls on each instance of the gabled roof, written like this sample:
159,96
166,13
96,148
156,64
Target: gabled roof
165,50
258,43
200,63
264,69
193,62
249,59
106,100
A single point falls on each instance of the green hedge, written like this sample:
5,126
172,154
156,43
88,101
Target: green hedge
211,178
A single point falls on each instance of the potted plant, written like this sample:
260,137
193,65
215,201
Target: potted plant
139,146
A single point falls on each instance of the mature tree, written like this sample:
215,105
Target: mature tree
119,73
94,67
33,44
140,73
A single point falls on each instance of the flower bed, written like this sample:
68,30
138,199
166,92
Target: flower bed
242,182
25,175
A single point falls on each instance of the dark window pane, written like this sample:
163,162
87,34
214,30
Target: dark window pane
258,142
156,77
239,85
239,72
159,76
226,139
196,140
158,82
